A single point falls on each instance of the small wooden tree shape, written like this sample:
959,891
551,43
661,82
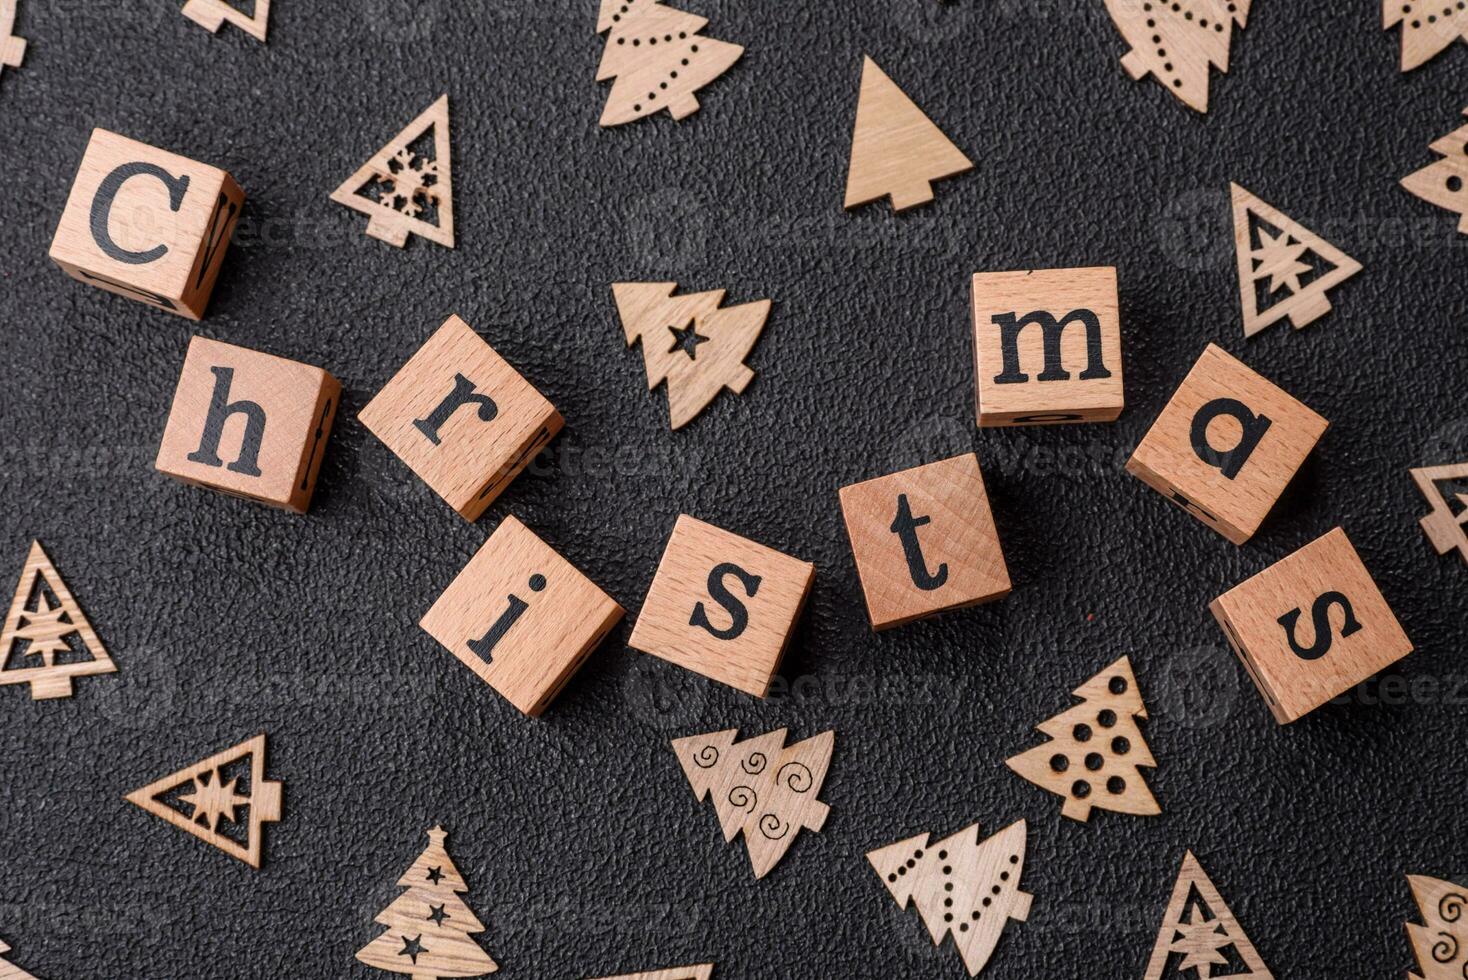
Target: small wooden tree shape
896,150
1447,525
1198,931
1427,28
1097,750
405,188
962,888
1277,255
760,787
1440,942
9,971
205,800
1176,43
212,15
702,972
1445,182
12,47
428,926
690,342
658,59
45,644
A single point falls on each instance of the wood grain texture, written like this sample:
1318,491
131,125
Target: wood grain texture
1446,526
762,592
249,424
462,418
1177,41
147,224
896,150
1196,928
701,972
1231,497
924,541
1445,182
1047,347
214,14
12,45
35,647
1440,940
658,58
8,970
1428,27
521,617
1311,626
414,194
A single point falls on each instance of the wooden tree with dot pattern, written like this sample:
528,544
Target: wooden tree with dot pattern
1177,41
1428,26
1445,182
658,59
962,888
1097,749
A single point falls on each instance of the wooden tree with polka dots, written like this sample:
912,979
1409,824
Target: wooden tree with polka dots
1428,26
1445,182
963,888
658,59
1096,750
1177,41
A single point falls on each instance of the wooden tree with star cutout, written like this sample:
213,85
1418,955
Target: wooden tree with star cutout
1446,489
1440,941
46,641
429,925
1200,933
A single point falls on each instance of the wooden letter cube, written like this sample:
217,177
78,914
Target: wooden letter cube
249,424
924,541
461,418
1311,626
147,224
1047,347
722,606
521,617
1226,445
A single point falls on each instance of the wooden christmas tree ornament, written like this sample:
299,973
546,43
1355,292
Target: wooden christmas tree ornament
46,640
1428,27
760,787
701,972
692,342
205,800
962,888
658,59
213,14
429,925
9,971
12,46
1097,751
1446,489
1200,933
1445,182
1176,43
1285,269
896,150
408,186
1440,941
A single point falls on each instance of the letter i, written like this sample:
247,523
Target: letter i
484,646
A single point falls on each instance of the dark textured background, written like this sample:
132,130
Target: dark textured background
584,846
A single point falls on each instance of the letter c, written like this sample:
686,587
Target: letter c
107,196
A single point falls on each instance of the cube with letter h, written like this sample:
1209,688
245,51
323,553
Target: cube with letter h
1047,347
249,424
722,606
924,541
462,418
1226,445
1311,626
147,224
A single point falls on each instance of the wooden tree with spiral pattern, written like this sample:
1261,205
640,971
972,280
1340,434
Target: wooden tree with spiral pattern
1441,940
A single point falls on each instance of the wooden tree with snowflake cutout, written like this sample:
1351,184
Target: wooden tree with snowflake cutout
408,186
759,787
1199,933
429,925
1446,489
46,641
1097,749
1428,27
1440,941
1177,42
961,887
690,342
1285,269
658,59
1445,182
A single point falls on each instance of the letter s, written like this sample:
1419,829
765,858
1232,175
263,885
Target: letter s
1320,614
738,614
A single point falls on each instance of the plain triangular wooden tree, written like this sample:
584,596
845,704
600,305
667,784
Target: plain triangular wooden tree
690,342
1177,43
1447,526
12,47
1445,182
1440,942
760,787
658,59
1428,27
213,14
1196,930
701,972
410,187
202,797
963,888
35,643
896,150
9,971
1097,749
428,926
1272,250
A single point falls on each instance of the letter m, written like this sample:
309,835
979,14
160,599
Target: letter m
1052,329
